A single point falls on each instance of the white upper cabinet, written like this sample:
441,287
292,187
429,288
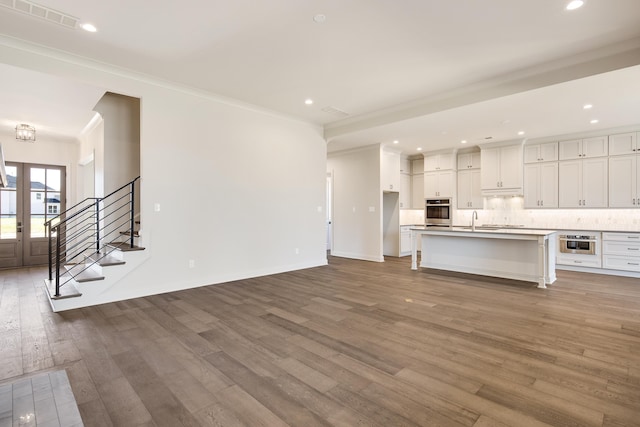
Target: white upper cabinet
439,183
547,152
417,166
624,181
623,143
469,160
440,161
405,191
501,170
405,165
583,183
417,191
541,185
584,148
469,192
390,170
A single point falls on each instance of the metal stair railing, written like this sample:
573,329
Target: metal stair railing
84,234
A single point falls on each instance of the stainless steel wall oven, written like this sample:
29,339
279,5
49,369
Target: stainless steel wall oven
437,212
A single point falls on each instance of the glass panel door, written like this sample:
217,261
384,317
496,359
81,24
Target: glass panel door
34,194
43,200
11,218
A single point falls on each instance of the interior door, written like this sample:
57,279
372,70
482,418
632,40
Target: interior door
35,194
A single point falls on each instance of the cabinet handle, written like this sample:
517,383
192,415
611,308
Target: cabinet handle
633,237
391,187
633,249
541,202
633,263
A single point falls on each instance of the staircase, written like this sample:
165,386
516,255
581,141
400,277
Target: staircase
89,239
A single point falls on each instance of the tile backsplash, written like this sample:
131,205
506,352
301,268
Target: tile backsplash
510,211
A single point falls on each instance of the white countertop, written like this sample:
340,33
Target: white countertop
479,230
569,228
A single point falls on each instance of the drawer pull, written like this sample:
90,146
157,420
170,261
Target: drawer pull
633,237
633,263
633,249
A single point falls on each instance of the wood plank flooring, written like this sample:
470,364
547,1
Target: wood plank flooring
351,344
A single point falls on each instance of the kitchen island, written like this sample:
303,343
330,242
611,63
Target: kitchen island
518,254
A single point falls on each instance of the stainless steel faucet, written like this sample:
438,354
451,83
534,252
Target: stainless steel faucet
474,216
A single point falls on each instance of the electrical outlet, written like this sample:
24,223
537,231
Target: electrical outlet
192,263
156,207
297,251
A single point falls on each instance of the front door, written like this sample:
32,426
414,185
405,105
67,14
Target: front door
33,195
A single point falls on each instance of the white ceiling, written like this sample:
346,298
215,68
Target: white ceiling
426,72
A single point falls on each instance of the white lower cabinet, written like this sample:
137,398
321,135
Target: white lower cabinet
405,240
621,251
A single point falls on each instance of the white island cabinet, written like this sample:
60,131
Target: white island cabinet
518,254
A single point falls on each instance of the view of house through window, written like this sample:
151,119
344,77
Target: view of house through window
44,198
47,183
8,205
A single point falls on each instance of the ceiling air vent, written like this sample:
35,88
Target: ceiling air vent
41,12
334,111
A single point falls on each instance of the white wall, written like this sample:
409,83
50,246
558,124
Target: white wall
357,232
121,140
241,190
45,150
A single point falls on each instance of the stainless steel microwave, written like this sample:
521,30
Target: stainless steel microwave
578,244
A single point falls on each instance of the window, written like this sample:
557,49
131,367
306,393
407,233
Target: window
52,209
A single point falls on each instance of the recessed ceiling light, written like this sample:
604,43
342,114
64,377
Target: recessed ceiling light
575,4
89,27
464,141
319,18
587,106
308,101
521,132
594,121
396,141
419,148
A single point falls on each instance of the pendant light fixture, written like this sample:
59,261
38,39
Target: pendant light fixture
25,132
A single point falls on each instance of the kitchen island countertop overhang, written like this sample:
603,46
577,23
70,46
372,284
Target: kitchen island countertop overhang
519,254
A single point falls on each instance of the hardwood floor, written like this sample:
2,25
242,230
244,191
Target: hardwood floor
351,344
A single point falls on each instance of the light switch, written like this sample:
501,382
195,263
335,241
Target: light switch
372,208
